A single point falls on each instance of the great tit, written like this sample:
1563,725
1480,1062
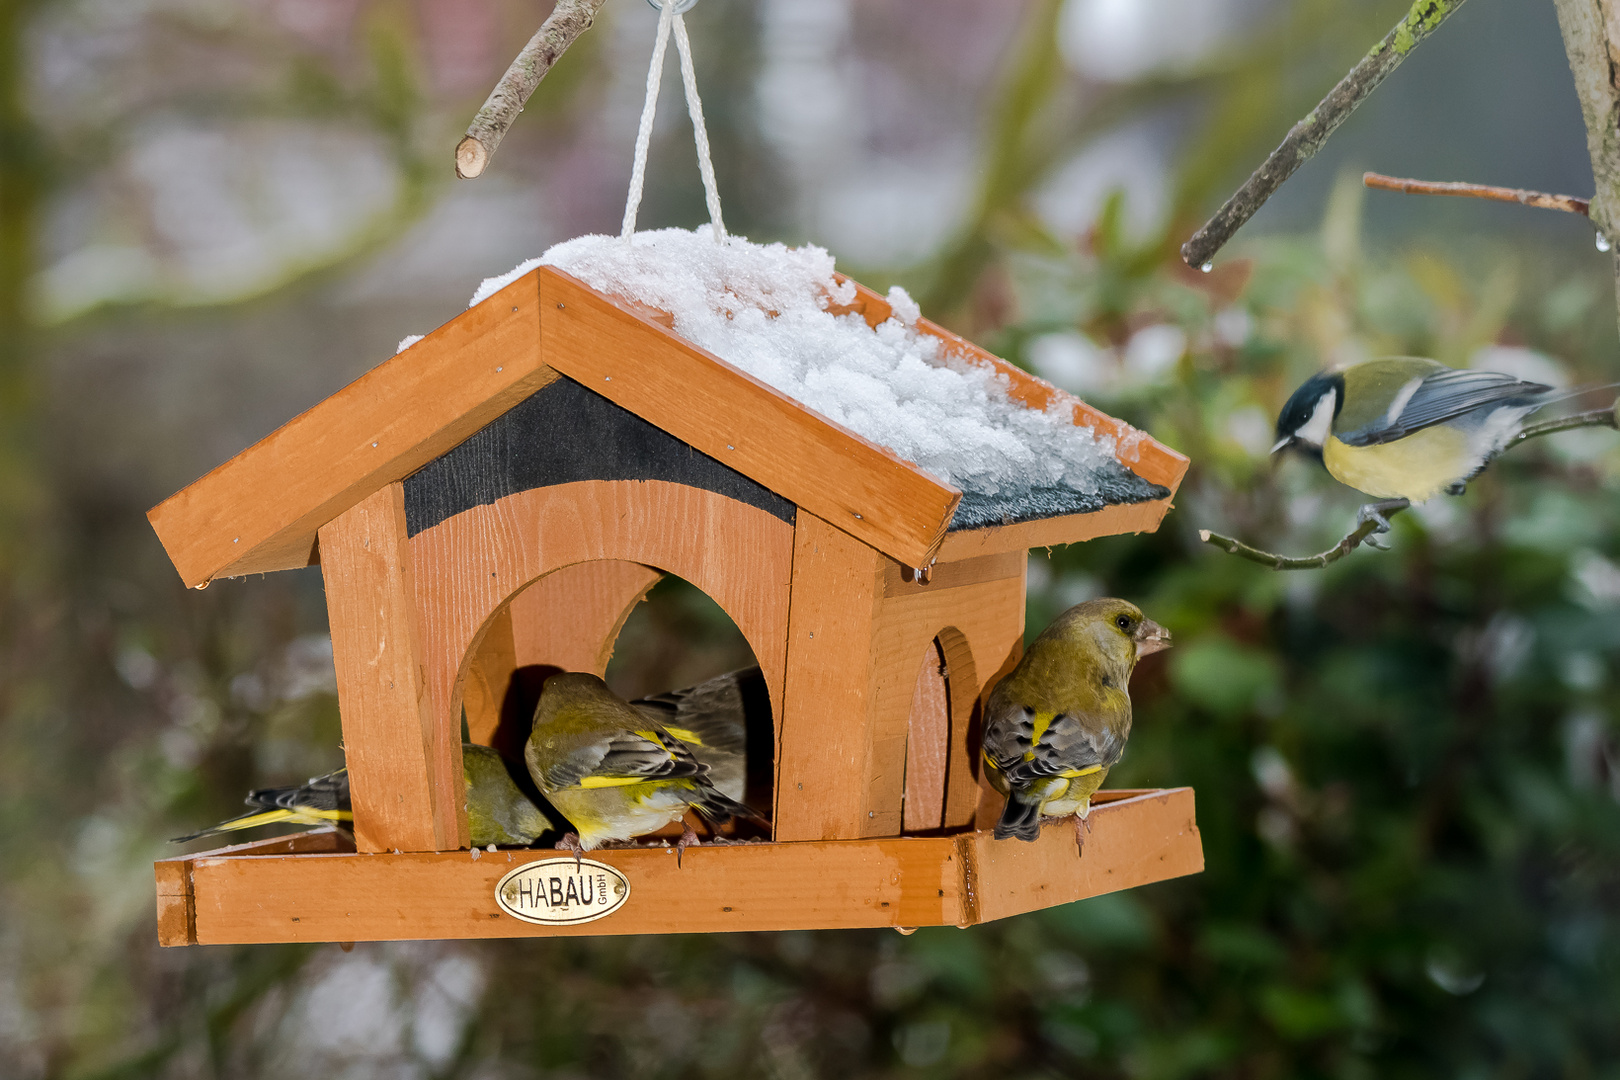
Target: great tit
1058,722
1404,427
498,811
613,772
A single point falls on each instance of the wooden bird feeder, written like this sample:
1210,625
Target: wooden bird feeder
504,492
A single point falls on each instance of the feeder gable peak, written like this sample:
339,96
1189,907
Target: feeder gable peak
463,406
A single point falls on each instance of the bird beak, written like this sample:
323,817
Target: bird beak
1151,638
1282,444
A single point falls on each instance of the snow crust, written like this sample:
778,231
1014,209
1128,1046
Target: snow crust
763,308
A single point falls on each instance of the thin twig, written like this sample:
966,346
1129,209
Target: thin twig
568,20
1541,199
1287,562
1595,418
1305,138
1609,418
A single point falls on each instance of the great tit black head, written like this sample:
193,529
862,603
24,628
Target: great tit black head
1307,419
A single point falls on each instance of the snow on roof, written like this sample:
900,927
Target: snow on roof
763,309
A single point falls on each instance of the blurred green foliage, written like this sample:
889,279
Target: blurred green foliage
1407,766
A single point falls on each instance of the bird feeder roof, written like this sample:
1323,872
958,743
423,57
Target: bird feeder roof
548,336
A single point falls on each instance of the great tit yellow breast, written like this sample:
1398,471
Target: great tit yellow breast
1417,467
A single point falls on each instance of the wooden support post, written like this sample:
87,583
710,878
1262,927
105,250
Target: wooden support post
404,767
856,632
824,737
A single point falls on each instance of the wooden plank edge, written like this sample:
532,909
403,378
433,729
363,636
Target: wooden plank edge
878,469
1153,836
971,871
176,903
176,894
1143,517
203,507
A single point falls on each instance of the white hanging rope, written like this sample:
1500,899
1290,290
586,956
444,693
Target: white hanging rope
655,74
700,131
668,16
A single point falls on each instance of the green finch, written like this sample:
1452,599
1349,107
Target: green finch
713,719
1058,722
613,772
498,811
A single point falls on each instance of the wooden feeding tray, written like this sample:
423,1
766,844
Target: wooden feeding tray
314,887
502,494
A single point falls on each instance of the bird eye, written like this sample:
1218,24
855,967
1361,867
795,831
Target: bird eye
1123,622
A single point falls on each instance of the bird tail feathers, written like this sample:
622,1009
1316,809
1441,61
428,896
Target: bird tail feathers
1553,397
1019,819
254,818
717,807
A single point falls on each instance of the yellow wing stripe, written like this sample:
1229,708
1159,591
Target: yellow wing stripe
296,815
1087,771
1043,720
684,734
269,817
628,781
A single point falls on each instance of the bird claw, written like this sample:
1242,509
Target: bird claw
688,839
570,842
1377,513
1082,832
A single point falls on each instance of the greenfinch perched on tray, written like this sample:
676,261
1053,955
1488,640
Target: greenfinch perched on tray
498,811
1058,722
613,772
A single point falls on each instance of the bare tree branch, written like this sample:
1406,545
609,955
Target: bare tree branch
1596,418
1609,417
1305,138
568,20
1540,199
1296,562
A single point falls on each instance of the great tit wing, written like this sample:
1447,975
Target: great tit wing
623,757
1434,399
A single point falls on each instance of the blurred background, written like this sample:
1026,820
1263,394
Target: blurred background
215,213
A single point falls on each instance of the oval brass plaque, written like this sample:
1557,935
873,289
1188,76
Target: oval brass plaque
557,892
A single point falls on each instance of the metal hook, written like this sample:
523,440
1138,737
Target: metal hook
681,6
